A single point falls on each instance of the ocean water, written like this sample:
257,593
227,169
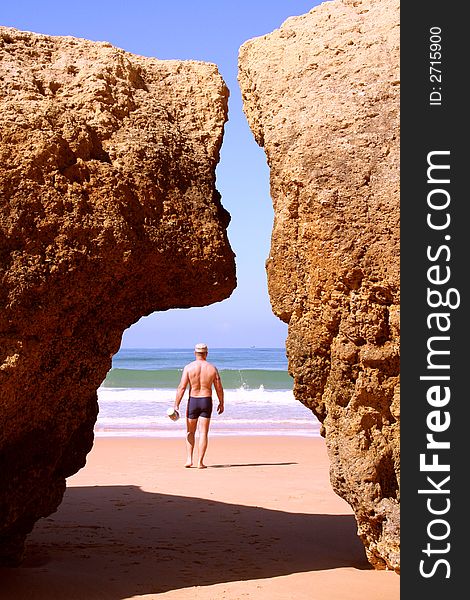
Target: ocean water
141,385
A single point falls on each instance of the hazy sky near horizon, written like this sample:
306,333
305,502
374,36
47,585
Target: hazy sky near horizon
212,31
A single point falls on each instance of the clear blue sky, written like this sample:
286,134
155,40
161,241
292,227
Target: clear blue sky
212,31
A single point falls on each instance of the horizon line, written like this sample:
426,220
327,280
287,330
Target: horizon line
192,347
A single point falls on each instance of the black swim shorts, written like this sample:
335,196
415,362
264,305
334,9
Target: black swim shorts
199,407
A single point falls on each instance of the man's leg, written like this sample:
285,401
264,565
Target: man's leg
191,425
203,433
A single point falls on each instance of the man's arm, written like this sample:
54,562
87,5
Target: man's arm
181,388
220,392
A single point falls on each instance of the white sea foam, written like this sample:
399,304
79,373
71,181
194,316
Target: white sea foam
236,396
168,433
142,411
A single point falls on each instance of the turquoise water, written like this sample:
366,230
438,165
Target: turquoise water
169,378
258,394
238,367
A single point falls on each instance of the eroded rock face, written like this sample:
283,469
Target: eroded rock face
108,212
321,95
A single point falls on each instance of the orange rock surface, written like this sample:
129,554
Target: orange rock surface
108,212
321,95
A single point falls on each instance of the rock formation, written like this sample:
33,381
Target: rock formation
321,95
108,212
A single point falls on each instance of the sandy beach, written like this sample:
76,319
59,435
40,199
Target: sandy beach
260,522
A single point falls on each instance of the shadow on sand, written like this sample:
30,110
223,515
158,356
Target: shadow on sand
230,465
121,541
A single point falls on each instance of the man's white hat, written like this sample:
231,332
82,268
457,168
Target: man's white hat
200,348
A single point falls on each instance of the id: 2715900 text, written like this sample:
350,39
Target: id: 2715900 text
435,66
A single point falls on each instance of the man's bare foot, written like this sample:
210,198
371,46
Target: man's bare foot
188,464
201,466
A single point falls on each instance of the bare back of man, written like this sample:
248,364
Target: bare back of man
200,376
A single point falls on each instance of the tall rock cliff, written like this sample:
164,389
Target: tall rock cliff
108,212
321,95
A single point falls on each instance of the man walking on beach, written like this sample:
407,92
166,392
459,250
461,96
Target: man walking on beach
201,376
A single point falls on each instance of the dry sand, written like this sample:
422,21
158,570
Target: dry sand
261,522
